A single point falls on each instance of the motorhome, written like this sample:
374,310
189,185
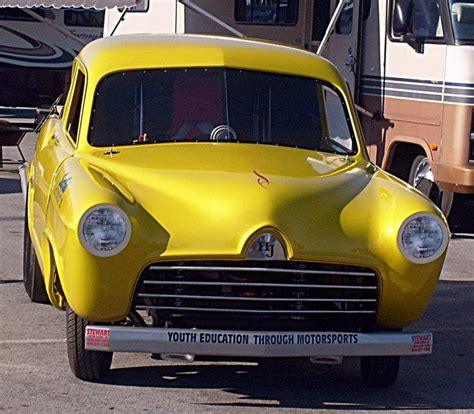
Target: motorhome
37,47
409,64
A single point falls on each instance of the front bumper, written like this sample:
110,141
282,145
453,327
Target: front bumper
254,343
456,178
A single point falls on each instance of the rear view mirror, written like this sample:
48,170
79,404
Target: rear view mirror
402,16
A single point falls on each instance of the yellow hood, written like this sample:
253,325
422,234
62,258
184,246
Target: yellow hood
212,198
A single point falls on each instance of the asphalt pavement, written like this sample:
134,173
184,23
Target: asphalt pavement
35,376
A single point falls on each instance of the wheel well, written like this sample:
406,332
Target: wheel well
401,159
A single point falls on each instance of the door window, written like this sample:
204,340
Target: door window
276,12
321,15
425,20
344,23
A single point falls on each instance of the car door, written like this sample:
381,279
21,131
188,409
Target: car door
342,48
58,145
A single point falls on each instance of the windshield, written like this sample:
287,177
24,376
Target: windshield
462,14
219,105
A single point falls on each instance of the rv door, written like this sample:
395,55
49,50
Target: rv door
342,47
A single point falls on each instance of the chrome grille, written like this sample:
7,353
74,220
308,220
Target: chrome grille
283,290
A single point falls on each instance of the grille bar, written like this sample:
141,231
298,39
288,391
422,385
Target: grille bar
262,269
258,295
261,311
251,284
205,297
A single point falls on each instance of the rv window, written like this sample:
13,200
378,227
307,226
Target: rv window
16,14
72,124
344,23
425,20
84,18
462,15
276,12
321,14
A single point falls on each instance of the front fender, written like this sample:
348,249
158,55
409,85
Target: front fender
96,288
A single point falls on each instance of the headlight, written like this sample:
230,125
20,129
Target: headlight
104,230
422,238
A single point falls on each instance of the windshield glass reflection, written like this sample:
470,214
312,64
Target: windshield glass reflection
219,105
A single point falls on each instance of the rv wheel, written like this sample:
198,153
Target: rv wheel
421,177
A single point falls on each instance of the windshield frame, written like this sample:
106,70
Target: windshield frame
343,98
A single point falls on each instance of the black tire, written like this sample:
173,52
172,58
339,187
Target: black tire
32,276
85,365
379,371
443,199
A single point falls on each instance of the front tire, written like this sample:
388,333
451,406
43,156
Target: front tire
85,365
32,276
379,371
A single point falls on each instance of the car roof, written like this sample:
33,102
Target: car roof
147,51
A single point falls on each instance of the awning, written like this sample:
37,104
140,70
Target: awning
94,4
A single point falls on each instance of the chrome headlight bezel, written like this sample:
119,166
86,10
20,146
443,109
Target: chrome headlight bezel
120,246
444,243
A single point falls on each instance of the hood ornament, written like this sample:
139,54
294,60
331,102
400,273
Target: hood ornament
261,180
266,247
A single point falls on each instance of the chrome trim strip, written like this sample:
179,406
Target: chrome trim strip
204,297
261,269
292,311
289,285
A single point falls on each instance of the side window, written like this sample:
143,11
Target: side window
276,12
423,19
72,123
427,19
84,18
18,15
344,23
338,127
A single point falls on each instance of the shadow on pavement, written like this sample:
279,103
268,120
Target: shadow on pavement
442,380
10,186
287,384
461,219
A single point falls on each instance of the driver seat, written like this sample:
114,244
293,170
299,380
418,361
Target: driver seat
198,105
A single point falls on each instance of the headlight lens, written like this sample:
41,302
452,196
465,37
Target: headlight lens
104,230
422,238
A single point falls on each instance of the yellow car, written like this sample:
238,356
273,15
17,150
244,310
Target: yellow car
213,196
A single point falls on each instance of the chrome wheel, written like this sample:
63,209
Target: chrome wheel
423,173
421,177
